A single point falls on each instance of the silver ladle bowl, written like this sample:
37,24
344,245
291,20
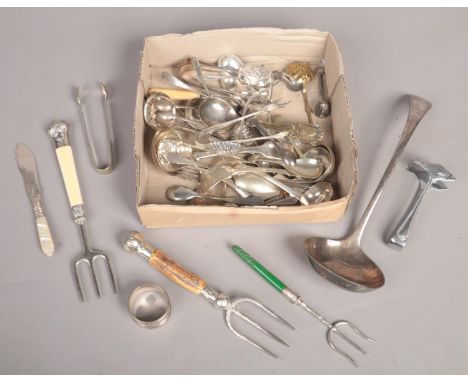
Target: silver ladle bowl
342,261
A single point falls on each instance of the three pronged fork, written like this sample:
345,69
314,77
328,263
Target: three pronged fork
333,327
134,243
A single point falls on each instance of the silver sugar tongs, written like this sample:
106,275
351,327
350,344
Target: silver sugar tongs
109,166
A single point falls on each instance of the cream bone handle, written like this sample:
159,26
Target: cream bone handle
59,133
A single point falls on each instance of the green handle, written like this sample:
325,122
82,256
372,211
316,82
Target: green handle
259,268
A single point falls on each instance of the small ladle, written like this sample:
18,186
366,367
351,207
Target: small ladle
342,261
161,111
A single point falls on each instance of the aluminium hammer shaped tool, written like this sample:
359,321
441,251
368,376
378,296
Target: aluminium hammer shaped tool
430,176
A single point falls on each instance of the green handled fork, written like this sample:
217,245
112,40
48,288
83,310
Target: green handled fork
333,327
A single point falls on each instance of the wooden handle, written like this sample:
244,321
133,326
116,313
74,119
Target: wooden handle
70,178
175,94
174,271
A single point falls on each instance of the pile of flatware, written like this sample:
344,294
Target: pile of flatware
220,127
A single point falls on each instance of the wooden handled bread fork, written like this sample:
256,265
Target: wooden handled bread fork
134,243
59,133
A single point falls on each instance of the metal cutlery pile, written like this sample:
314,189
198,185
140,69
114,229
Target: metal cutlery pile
219,126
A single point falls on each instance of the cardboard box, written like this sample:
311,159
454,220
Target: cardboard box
273,48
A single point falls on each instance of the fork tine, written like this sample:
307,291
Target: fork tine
338,350
110,271
269,311
358,331
77,277
93,274
334,328
351,342
259,327
247,339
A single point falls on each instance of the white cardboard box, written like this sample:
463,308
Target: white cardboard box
273,48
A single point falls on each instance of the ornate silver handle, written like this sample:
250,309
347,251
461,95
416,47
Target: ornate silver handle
59,134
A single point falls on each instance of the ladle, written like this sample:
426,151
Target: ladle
342,261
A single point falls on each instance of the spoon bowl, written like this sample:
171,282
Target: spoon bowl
233,64
159,110
319,193
322,109
343,262
317,163
256,185
215,110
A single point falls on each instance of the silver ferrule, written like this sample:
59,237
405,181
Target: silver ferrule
78,214
216,298
134,243
291,296
210,294
37,208
58,131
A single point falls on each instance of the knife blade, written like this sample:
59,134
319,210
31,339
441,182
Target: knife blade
27,166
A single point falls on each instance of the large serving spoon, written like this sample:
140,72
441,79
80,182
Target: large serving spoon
342,261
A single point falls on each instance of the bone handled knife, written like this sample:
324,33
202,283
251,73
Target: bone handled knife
27,166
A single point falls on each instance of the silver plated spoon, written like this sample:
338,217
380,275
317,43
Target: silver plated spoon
184,194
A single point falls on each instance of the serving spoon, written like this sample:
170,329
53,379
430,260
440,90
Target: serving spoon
342,261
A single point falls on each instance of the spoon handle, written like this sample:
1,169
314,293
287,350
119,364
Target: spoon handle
307,108
417,109
322,85
198,71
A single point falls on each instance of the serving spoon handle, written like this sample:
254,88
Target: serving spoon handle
417,110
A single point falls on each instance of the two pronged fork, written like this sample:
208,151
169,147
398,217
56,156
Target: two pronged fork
59,133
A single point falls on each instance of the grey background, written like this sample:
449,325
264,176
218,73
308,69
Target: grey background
419,317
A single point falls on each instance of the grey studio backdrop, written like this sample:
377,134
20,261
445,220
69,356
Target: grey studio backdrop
418,317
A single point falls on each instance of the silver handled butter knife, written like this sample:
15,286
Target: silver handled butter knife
27,166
